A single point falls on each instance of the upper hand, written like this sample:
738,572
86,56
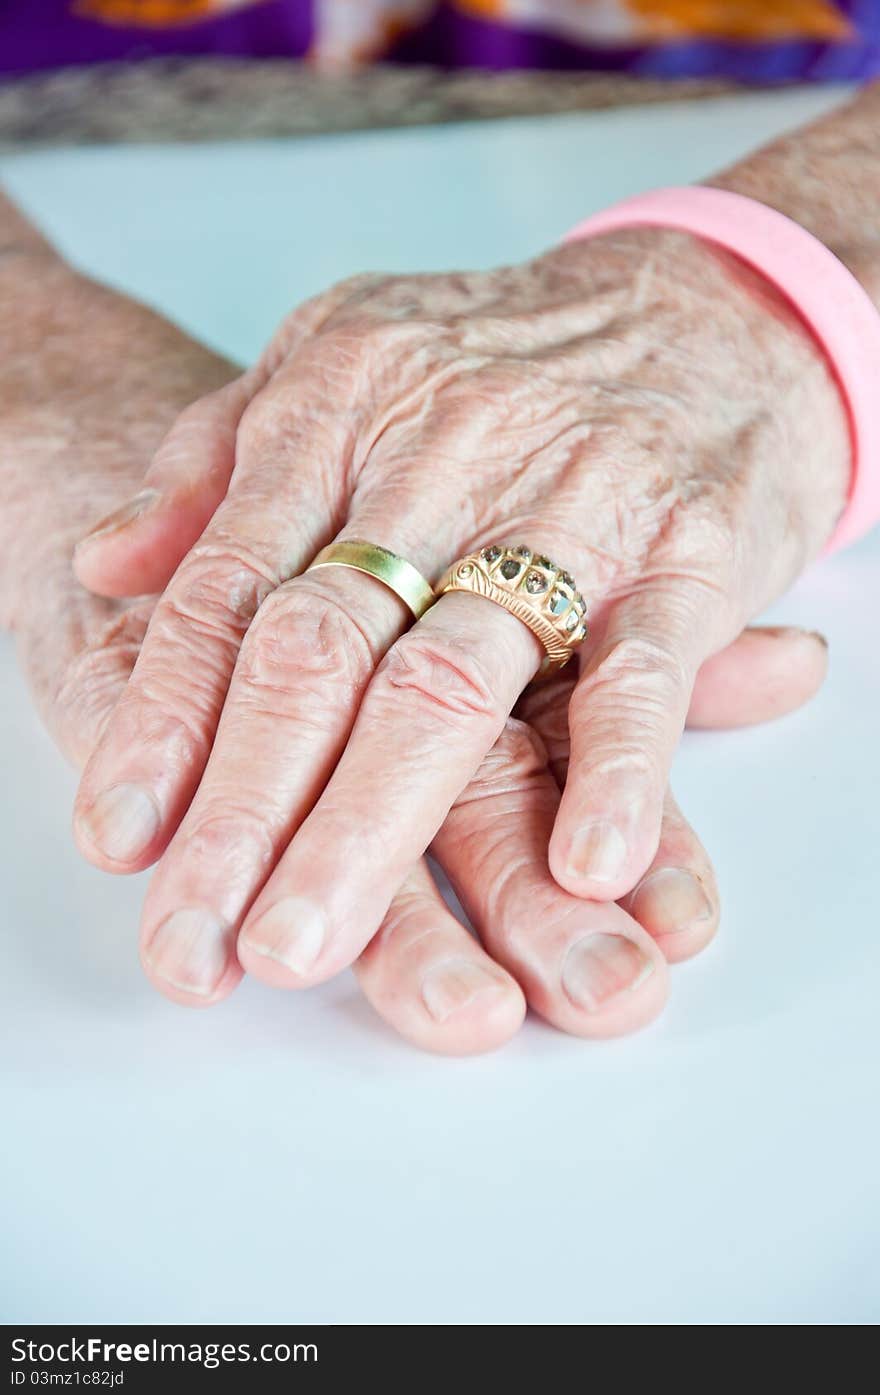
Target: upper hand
641,409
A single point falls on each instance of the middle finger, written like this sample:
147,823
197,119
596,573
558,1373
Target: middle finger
435,707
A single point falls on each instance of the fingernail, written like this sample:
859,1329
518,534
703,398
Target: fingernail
669,900
122,822
452,986
120,518
190,950
291,932
598,967
598,851
793,632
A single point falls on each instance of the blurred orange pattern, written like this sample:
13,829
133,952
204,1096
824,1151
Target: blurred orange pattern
155,13
360,29
739,19
647,20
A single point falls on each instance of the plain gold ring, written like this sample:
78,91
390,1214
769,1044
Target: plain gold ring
393,571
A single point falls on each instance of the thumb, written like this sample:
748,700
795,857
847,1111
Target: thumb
765,673
136,549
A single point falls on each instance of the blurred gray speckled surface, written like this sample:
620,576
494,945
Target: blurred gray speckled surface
228,99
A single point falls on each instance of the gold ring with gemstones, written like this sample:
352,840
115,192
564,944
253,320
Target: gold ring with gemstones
540,594
394,572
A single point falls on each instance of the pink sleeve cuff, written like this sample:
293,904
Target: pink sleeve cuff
828,298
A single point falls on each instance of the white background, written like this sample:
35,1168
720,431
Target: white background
285,1157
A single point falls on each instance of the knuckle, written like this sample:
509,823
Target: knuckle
624,740
640,666
520,750
160,722
110,653
706,535
406,925
699,533
514,766
513,878
90,684
624,762
215,595
263,422
628,708
439,678
230,836
306,643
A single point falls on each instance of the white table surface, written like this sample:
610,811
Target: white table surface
285,1157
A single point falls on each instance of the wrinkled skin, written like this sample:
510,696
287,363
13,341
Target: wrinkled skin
88,381
642,409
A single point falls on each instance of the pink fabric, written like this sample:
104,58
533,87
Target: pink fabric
828,298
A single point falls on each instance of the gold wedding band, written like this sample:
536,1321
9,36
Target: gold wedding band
393,571
540,594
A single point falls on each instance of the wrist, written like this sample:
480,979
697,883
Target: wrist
738,352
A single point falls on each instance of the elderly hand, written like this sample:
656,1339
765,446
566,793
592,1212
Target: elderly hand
79,414
642,409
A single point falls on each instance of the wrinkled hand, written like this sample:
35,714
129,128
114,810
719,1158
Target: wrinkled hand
79,412
642,409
